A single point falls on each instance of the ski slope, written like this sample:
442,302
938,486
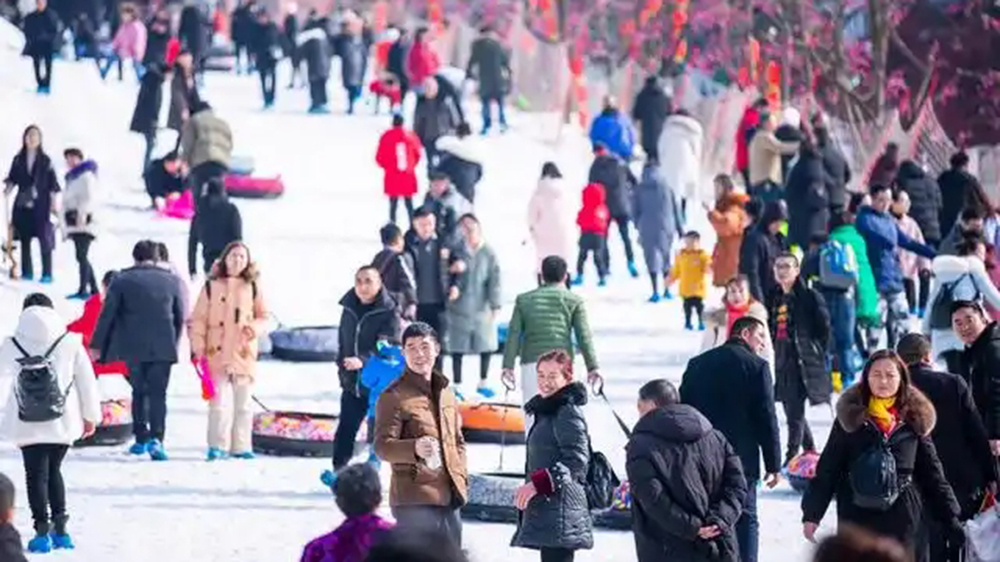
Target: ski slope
308,245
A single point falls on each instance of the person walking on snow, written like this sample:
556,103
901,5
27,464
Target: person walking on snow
85,324
41,32
650,110
352,47
242,32
140,324
866,299
207,147
395,266
183,92
193,31
744,133
228,318
762,243
434,116
980,364
731,386
78,217
679,154
146,117
37,198
658,219
471,317
925,196
44,422
916,270
675,452
612,173
314,48
489,64
265,45
216,224
398,155
129,43
765,151
729,220
545,319
613,130
959,190
593,220
807,196
448,205
460,159
421,61
691,270
418,431
550,219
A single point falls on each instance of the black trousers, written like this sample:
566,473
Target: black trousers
88,281
799,434
43,476
26,228
40,62
622,223
353,409
149,399
268,83
201,174
433,314
317,93
693,304
438,520
394,205
550,554
598,244
456,366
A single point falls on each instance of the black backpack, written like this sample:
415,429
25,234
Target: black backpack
941,307
39,398
601,481
874,481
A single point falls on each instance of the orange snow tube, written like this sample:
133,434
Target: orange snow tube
486,422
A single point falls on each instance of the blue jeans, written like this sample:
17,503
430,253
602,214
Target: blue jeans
842,319
747,526
353,94
488,113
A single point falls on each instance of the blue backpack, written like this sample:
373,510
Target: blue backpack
838,266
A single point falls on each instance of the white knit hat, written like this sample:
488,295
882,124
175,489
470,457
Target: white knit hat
791,117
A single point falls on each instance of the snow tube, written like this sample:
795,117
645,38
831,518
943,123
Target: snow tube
491,497
115,427
298,434
311,344
241,165
487,422
250,187
801,470
180,208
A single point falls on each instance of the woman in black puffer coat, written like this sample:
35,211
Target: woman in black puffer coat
555,518
883,407
925,199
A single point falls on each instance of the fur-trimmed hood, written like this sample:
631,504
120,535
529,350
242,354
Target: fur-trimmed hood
574,394
80,169
918,411
465,148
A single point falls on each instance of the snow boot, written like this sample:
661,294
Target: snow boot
62,541
41,544
138,448
655,297
245,455
214,454
632,269
45,280
485,391
328,478
602,282
156,450
578,280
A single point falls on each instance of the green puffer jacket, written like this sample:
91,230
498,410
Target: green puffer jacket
545,319
867,294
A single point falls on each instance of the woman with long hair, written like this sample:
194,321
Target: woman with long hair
550,218
37,185
224,330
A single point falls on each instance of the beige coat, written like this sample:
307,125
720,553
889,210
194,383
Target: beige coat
765,157
206,138
217,326
715,330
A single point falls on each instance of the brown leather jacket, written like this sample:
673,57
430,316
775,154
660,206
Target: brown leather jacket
410,408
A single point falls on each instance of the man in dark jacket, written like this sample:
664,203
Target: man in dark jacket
448,206
164,176
291,37
432,259
243,24
352,46
216,223
314,48
807,197
490,65
686,480
800,329
761,245
146,117
651,108
731,386
971,222
140,324
960,190
396,62
959,437
925,198
41,32
980,363
395,265
264,44
611,172
434,116
837,170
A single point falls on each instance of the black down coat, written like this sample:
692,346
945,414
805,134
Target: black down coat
959,436
807,198
916,460
216,223
397,271
684,475
609,171
193,33
558,451
758,250
651,109
314,48
361,327
837,170
925,198
146,116
981,369
809,330
490,65
41,33
959,189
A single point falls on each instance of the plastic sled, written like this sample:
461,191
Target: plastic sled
115,428
311,344
180,208
491,497
249,187
298,434
801,470
241,165
487,422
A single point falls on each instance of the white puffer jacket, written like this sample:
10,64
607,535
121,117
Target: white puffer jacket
80,198
37,328
680,156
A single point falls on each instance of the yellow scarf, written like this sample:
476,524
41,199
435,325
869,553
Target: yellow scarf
883,412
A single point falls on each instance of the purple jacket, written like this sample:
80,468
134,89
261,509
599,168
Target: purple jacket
347,543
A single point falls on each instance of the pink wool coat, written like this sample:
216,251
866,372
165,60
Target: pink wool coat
130,41
550,221
909,262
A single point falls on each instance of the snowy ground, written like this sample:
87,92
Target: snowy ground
308,244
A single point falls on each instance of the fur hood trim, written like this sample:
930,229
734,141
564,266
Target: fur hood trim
80,169
467,149
918,411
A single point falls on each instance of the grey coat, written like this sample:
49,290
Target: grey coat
142,317
657,217
182,98
490,65
558,451
469,319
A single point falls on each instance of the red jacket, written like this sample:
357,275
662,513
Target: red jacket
594,215
173,49
398,154
421,63
751,118
84,325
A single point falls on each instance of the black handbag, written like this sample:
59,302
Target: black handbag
72,218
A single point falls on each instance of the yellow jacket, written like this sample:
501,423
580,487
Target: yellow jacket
691,268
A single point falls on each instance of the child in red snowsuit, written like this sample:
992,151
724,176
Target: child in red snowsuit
593,221
85,324
398,154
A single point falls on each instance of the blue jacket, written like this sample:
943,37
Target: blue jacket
613,130
380,371
883,237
